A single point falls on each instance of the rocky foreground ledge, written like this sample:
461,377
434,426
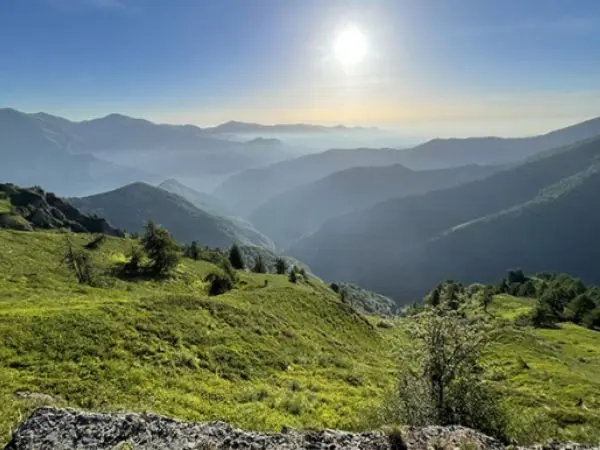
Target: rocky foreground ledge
62,429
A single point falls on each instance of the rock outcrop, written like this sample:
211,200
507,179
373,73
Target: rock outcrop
66,429
32,208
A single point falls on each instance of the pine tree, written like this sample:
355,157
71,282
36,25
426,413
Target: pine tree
193,251
293,276
235,257
161,248
259,265
281,266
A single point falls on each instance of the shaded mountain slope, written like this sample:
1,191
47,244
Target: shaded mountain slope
440,153
304,209
207,202
247,190
402,246
131,206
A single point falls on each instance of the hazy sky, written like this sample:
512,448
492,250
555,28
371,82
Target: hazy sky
508,67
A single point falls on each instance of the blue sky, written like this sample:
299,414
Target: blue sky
473,66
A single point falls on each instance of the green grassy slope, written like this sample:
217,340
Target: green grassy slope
552,377
261,356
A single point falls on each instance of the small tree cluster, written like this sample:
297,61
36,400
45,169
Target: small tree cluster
281,266
449,293
517,284
259,265
192,251
160,248
565,298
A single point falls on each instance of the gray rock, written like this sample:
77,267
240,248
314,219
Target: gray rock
66,429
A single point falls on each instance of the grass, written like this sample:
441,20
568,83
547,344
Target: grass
5,205
549,378
260,357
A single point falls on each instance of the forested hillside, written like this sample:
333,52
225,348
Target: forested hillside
538,215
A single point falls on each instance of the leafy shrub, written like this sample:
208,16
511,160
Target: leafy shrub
293,276
544,315
577,308
592,319
526,289
219,283
441,381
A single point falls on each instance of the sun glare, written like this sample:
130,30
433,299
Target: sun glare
350,47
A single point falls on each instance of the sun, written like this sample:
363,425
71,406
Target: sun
350,47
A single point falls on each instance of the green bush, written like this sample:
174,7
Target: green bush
592,319
544,315
578,308
219,283
441,381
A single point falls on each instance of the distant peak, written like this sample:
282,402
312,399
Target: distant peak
264,141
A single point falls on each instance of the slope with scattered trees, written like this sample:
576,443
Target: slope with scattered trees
266,350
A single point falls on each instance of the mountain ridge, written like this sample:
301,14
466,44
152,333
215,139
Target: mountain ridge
301,210
417,238
131,206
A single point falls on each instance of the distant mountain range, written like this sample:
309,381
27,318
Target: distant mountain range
78,157
131,206
247,190
302,210
32,152
234,127
442,153
541,215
